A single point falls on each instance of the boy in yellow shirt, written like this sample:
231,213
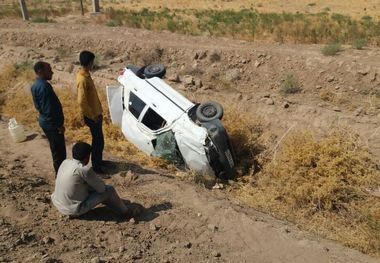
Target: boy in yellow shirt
91,108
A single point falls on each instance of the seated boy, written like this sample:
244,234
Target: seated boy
78,189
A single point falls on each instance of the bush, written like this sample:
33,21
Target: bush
331,49
290,85
324,185
323,174
214,57
359,43
23,66
114,23
40,19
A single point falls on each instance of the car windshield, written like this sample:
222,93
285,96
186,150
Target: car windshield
136,105
153,120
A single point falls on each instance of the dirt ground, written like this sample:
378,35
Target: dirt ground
184,222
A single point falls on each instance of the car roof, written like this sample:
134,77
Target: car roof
162,98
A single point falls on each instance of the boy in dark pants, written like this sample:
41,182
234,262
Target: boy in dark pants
91,108
51,117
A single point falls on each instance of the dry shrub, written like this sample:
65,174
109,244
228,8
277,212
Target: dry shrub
15,98
331,49
214,57
323,175
148,56
244,131
324,185
7,75
290,85
334,97
11,73
20,106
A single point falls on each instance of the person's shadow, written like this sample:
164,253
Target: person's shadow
103,213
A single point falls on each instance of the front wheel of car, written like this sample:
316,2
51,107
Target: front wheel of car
209,111
155,70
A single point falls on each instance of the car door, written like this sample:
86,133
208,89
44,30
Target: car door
115,103
132,129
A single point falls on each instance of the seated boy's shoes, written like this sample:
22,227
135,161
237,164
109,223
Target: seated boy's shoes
99,170
134,210
106,163
105,176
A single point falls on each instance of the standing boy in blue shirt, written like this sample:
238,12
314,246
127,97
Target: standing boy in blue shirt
49,107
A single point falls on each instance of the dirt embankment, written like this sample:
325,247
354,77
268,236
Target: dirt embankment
343,90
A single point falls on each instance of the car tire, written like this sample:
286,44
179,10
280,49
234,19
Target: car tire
209,111
154,70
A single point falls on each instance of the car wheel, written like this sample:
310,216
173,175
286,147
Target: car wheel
155,70
209,111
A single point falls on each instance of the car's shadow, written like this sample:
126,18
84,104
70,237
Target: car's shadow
103,213
114,167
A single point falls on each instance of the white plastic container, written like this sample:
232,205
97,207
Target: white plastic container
16,130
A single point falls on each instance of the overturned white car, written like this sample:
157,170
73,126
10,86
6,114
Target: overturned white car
161,122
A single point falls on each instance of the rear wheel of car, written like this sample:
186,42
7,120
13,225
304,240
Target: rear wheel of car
209,111
155,70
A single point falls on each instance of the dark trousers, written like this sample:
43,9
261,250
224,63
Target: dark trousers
97,142
57,147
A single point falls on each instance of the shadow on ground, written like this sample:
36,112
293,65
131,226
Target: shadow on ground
31,137
103,213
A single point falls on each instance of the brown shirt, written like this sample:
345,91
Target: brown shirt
87,95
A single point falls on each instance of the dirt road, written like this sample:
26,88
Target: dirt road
183,222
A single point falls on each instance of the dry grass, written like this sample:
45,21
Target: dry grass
324,186
147,57
355,8
297,22
335,98
244,132
351,7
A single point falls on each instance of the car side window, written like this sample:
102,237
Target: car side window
153,120
135,105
